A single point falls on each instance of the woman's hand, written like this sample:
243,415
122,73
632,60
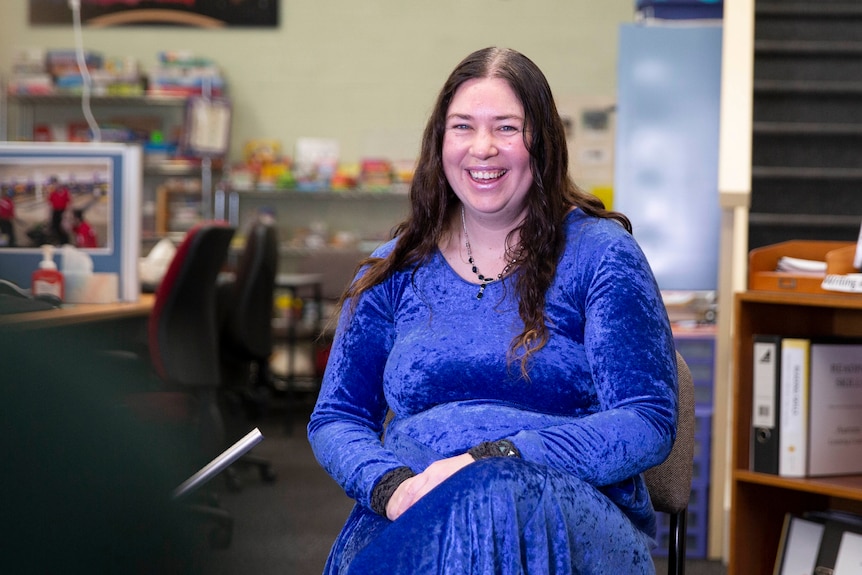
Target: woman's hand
414,488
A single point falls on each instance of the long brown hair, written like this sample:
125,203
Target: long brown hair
552,195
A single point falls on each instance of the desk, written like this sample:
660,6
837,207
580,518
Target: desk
71,314
81,456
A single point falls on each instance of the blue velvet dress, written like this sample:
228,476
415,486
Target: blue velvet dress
598,408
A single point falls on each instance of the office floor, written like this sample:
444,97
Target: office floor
288,526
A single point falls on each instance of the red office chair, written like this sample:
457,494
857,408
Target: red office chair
184,342
246,309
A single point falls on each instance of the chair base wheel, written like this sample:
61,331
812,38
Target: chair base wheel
267,474
220,537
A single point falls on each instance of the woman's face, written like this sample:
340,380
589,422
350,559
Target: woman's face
484,156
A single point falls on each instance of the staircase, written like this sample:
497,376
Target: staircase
807,122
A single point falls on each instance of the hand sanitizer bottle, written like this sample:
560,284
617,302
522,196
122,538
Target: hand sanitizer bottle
47,280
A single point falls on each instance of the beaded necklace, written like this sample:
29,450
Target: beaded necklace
485,280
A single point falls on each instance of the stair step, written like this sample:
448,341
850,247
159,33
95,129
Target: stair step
816,9
812,220
807,129
807,87
805,183
807,47
808,173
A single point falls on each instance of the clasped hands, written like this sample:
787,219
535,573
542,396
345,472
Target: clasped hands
415,488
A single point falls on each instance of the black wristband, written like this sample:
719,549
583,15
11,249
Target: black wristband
387,485
499,448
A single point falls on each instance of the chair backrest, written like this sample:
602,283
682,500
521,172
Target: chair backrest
669,483
182,328
247,328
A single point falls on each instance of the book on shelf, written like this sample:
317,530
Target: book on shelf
794,416
849,559
765,403
806,418
820,543
840,552
835,421
799,545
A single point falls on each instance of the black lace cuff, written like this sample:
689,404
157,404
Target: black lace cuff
499,448
386,487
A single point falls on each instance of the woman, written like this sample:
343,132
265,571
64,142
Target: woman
515,332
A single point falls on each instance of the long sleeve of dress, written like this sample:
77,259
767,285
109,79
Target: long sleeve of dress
628,349
348,420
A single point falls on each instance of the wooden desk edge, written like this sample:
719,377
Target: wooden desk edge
79,313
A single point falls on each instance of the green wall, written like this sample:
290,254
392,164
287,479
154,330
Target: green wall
364,72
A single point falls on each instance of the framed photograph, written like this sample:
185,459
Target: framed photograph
190,13
87,195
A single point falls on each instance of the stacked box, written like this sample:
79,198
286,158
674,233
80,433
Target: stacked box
699,354
698,506
680,9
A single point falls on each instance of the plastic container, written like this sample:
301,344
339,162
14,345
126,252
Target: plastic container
47,280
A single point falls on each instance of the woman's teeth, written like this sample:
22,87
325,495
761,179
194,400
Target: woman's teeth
487,175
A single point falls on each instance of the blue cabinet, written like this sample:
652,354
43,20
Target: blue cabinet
680,9
697,347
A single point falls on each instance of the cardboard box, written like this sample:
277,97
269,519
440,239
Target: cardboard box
91,287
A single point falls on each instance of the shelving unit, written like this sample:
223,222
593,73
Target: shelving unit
366,215
759,501
24,110
807,122
22,113
178,208
347,226
300,334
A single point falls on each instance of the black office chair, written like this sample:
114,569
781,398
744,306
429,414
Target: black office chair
184,346
245,336
669,483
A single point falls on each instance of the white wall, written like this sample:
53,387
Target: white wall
365,72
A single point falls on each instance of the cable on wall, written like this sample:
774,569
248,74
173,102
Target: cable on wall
96,132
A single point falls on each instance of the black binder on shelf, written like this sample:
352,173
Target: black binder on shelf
766,402
836,524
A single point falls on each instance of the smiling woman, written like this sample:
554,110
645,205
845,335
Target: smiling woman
517,421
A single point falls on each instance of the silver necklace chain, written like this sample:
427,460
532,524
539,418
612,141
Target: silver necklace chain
485,280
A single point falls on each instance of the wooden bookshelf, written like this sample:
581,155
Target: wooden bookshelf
759,501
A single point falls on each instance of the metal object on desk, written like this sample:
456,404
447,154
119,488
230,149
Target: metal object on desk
219,463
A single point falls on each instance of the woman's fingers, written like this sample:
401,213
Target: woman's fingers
416,487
